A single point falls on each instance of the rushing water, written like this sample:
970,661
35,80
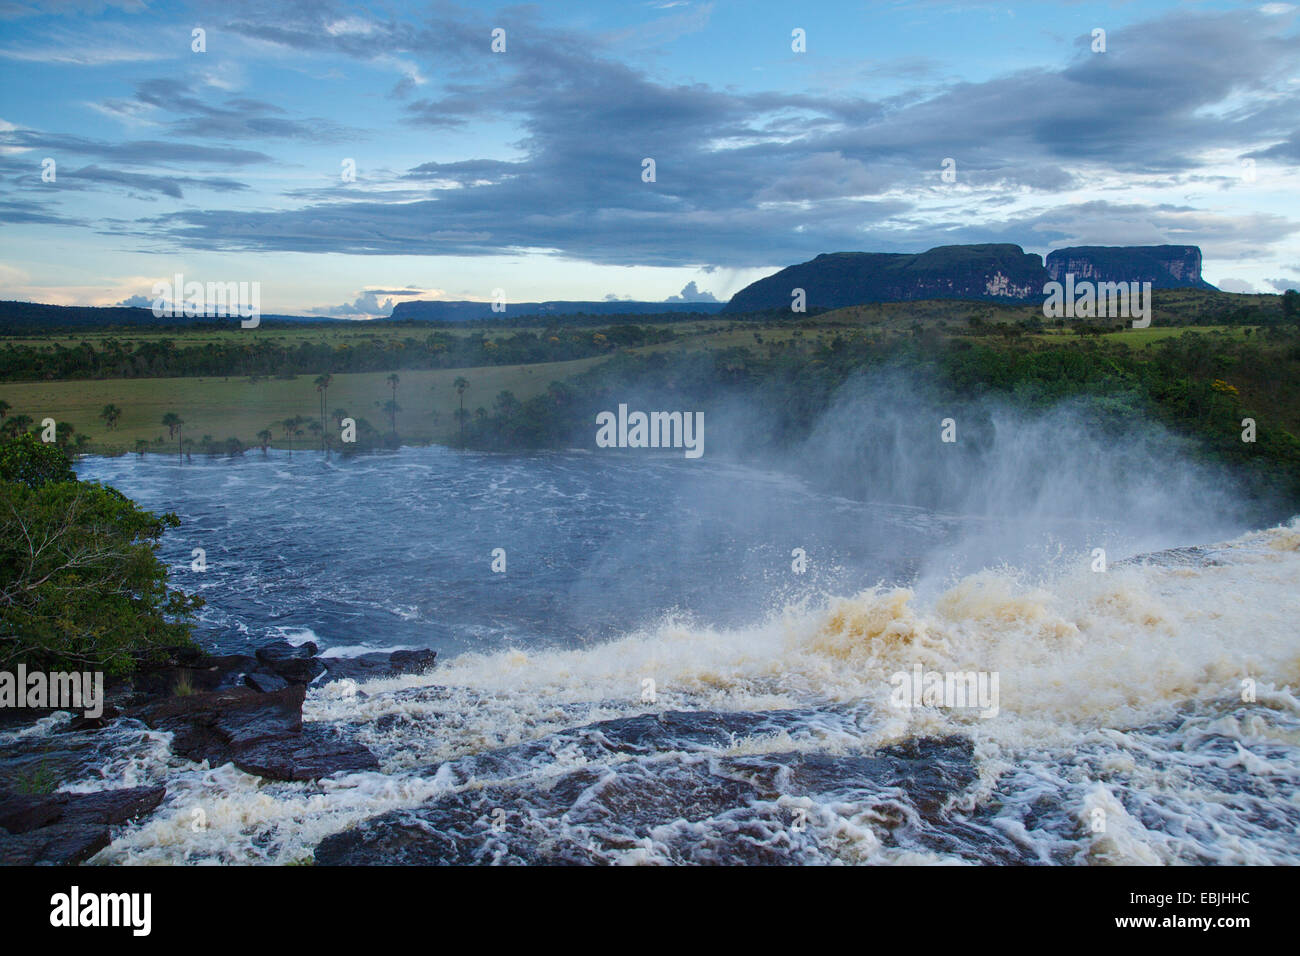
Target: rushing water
1121,734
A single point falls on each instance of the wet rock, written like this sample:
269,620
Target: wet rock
67,828
58,845
926,772
18,814
297,664
25,812
306,756
377,665
265,683
82,722
194,671
110,806
260,733
213,726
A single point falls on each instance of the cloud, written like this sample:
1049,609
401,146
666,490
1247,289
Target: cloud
19,212
1282,285
690,293
366,305
235,118
748,179
745,179
131,152
166,185
1236,285
91,55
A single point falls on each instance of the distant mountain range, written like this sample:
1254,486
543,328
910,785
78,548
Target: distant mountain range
998,271
460,311
35,316
992,272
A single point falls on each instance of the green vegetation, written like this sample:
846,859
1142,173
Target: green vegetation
263,353
1199,384
81,585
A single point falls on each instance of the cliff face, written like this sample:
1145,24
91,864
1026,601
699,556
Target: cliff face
990,272
833,280
1165,267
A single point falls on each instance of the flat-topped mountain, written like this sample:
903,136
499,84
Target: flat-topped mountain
1165,267
996,271
836,279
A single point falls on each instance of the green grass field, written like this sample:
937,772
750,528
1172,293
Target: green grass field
235,407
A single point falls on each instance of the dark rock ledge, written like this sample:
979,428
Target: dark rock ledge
240,709
63,828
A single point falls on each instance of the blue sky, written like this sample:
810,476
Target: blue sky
522,170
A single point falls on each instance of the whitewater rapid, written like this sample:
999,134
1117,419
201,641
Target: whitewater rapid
1158,696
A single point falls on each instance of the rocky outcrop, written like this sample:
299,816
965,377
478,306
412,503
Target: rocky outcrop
1165,267
260,733
67,828
374,666
294,663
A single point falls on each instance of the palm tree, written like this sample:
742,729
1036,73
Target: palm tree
393,381
460,385
322,386
173,422
264,438
390,408
17,425
110,413
339,415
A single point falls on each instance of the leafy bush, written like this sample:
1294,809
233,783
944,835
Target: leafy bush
81,585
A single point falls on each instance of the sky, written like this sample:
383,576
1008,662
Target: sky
128,156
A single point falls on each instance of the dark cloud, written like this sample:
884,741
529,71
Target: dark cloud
748,179
1288,150
132,152
235,118
17,211
166,185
